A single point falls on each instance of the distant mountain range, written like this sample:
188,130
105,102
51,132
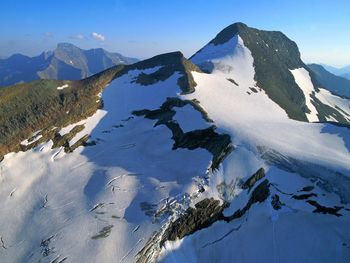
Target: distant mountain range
336,84
66,62
343,72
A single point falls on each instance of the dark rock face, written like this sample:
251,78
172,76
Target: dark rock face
335,84
219,145
276,203
307,188
253,179
203,215
274,55
259,195
169,63
325,111
208,211
304,196
324,209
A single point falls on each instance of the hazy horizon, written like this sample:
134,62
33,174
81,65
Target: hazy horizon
143,29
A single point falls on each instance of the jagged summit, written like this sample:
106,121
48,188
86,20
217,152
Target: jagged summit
269,59
228,32
167,64
272,47
254,38
66,62
160,60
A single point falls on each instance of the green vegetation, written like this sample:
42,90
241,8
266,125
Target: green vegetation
39,105
170,63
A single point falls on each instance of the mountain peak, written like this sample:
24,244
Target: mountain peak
66,61
227,33
170,161
169,63
163,59
65,45
268,57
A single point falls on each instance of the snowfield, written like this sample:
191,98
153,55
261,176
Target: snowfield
70,199
104,202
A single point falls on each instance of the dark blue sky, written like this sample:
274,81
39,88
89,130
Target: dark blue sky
143,28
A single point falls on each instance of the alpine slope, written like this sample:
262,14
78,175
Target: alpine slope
236,154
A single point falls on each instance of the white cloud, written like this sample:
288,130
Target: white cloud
97,36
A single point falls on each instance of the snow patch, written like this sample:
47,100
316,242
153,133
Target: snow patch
189,119
326,97
63,87
89,125
35,137
232,59
69,127
303,80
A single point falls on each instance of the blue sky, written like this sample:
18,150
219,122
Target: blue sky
143,28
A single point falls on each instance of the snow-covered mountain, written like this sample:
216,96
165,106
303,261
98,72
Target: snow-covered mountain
66,62
236,155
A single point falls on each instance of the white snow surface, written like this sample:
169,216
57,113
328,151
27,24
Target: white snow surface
71,197
231,59
189,119
69,127
63,87
303,80
256,120
35,137
91,205
294,233
334,101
